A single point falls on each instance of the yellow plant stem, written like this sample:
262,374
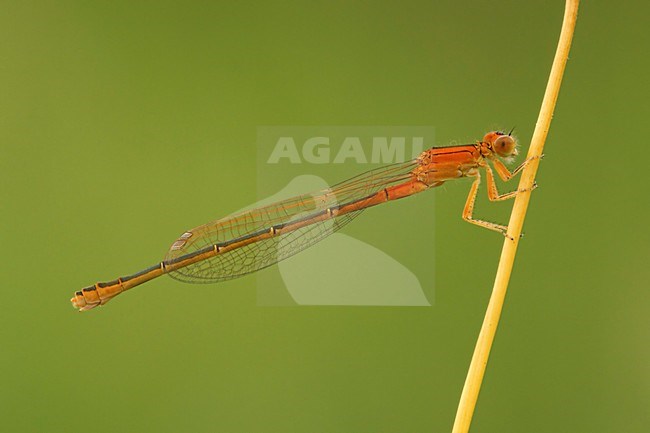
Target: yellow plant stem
491,320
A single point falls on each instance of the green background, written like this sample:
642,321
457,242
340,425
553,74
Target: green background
124,123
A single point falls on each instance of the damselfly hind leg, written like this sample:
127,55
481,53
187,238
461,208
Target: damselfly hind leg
469,208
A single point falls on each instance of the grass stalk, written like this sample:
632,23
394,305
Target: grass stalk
490,322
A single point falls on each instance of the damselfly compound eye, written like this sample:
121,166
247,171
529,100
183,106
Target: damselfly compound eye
505,146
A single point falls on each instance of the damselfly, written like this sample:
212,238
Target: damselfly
258,238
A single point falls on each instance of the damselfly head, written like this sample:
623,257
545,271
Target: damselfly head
504,145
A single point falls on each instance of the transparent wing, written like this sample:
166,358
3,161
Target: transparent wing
268,251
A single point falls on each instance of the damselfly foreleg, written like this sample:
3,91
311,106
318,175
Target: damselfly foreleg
506,174
493,192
